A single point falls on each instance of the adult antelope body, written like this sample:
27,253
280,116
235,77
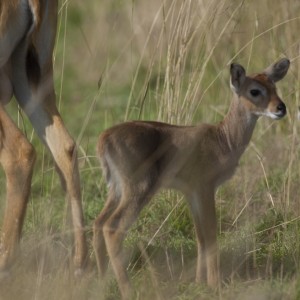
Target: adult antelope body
27,36
138,158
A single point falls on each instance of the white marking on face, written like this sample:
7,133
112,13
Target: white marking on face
269,114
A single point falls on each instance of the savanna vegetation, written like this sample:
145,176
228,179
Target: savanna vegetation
169,61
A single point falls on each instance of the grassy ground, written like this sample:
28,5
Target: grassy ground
169,60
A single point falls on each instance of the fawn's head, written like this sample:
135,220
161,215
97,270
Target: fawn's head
258,91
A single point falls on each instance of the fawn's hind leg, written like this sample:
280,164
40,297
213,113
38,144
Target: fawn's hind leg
98,236
116,227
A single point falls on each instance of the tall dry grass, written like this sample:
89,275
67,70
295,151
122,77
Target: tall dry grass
168,60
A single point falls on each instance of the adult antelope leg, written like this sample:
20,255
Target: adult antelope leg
32,77
17,157
46,120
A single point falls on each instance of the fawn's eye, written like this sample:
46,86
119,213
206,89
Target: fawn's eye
255,92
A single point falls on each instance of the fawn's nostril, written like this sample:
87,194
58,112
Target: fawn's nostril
281,107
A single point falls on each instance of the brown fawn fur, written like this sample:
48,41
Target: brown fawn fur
27,36
138,158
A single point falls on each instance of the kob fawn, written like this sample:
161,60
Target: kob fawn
139,158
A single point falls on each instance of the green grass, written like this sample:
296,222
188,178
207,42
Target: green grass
169,61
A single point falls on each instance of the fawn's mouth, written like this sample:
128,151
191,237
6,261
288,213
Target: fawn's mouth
275,116
278,115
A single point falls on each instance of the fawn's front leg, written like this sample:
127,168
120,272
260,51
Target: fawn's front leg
203,210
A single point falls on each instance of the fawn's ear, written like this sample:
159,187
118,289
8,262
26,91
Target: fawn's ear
238,76
278,70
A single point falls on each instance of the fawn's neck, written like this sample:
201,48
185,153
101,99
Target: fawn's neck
237,127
